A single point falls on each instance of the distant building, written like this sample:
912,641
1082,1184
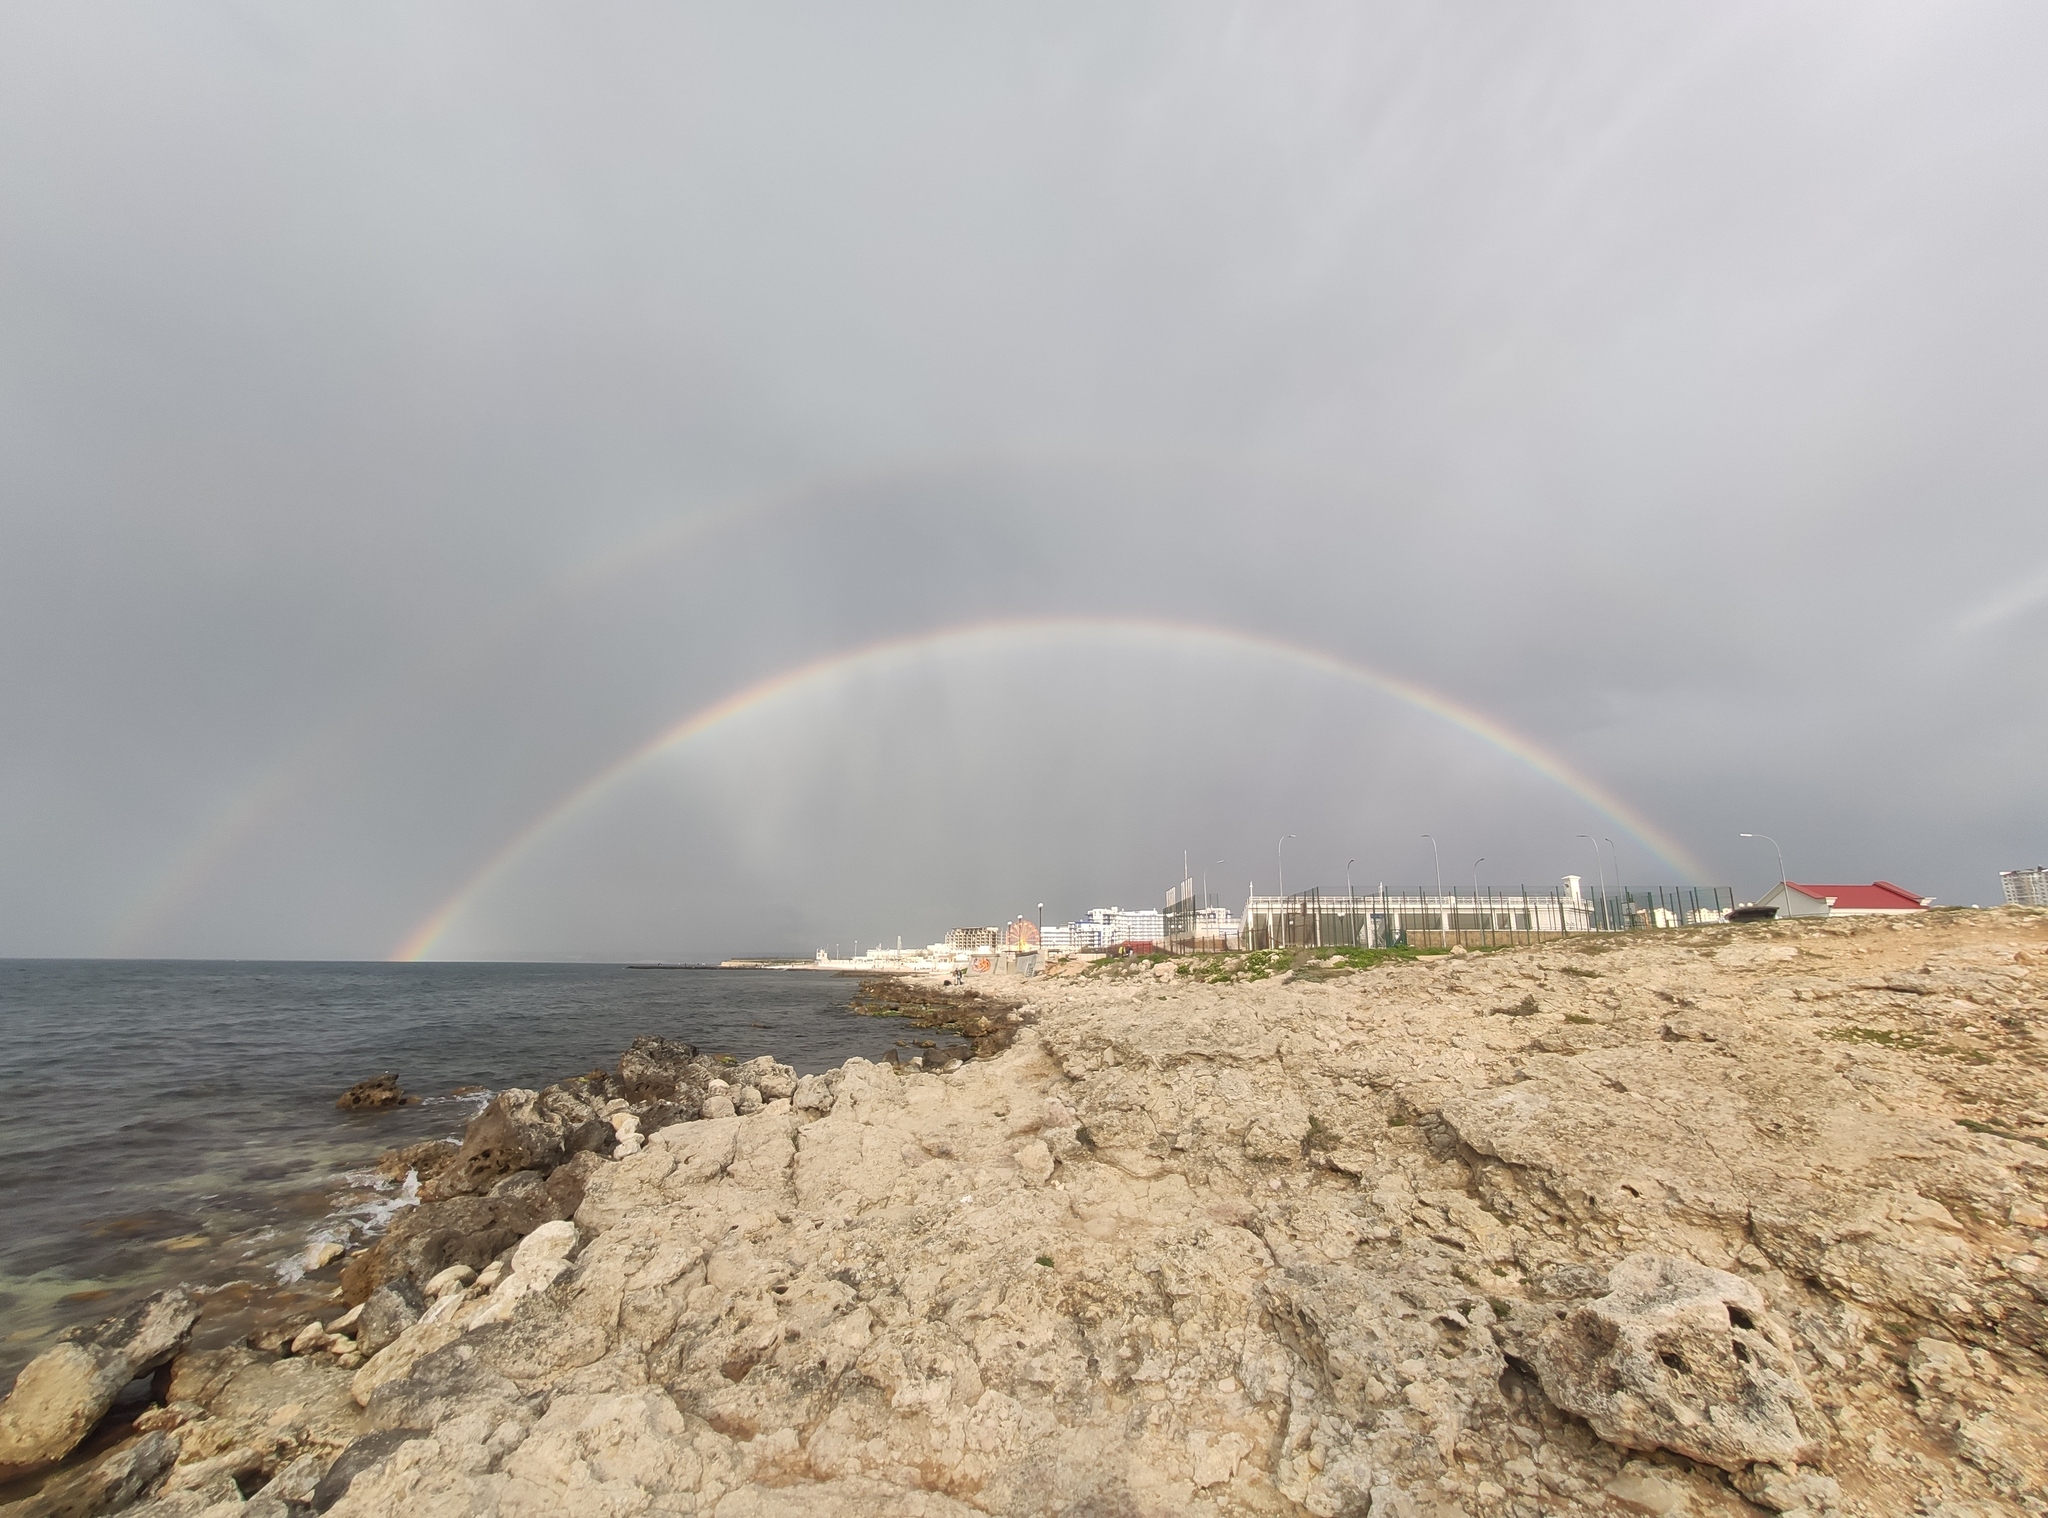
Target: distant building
1878,898
1104,928
2025,888
1313,920
1194,923
972,938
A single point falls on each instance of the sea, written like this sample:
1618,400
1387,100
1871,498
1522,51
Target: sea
165,1122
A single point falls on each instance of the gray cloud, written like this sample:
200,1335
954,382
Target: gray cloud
404,415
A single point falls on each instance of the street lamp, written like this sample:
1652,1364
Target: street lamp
1436,855
1280,851
1475,876
1600,865
1767,838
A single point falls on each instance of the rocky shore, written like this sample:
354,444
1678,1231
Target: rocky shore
1716,1222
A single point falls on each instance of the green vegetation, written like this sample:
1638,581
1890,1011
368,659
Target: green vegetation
1045,1260
1888,1038
2018,1138
1893,1038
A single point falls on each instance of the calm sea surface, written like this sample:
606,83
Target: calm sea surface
166,1121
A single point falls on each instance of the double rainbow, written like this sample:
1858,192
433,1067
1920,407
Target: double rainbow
1009,634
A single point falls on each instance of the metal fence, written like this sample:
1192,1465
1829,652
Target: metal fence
1424,920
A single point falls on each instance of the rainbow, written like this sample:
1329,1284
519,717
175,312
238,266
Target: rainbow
330,749
421,942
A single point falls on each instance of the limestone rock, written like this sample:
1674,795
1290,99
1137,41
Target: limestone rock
389,1311
1680,1357
371,1095
113,1483
520,1130
63,1392
1343,1244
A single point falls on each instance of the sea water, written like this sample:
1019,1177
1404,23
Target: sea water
168,1121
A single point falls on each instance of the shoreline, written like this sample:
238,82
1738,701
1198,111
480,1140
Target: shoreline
1328,1241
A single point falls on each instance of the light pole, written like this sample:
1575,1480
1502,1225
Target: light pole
1041,927
1438,856
1767,838
1280,852
1475,876
1600,865
1617,866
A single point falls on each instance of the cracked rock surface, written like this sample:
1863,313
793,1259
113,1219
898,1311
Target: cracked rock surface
1722,1221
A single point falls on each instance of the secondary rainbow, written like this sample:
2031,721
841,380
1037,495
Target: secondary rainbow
421,941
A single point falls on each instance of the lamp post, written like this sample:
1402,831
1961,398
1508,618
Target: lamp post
1617,866
1041,927
1599,865
1767,838
1280,852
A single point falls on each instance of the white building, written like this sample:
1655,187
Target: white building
2025,888
1880,898
1106,927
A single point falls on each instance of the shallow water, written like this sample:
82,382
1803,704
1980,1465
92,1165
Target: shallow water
166,1121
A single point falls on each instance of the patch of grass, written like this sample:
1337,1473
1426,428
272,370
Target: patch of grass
1397,1121
2018,1138
1885,1038
1583,974
1045,1260
1890,1038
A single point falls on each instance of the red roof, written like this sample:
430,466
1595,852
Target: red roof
1879,896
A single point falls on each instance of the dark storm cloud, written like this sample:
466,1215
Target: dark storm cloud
1660,382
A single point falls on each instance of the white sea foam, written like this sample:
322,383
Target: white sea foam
363,1216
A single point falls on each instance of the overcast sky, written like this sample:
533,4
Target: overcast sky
409,413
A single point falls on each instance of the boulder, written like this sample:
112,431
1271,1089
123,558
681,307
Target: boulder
772,1080
425,1160
664,1070
520,1130
1680,1357
363,1454
116,1482
469,1230
379,1091
64,1391
388,1312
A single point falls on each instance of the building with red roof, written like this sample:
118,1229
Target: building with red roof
1879,897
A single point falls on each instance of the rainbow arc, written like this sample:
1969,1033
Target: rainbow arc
1192,639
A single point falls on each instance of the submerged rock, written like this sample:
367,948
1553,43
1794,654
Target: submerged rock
377,1092
64,1391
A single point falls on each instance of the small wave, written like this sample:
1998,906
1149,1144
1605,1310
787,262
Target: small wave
474,1101
361,1216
